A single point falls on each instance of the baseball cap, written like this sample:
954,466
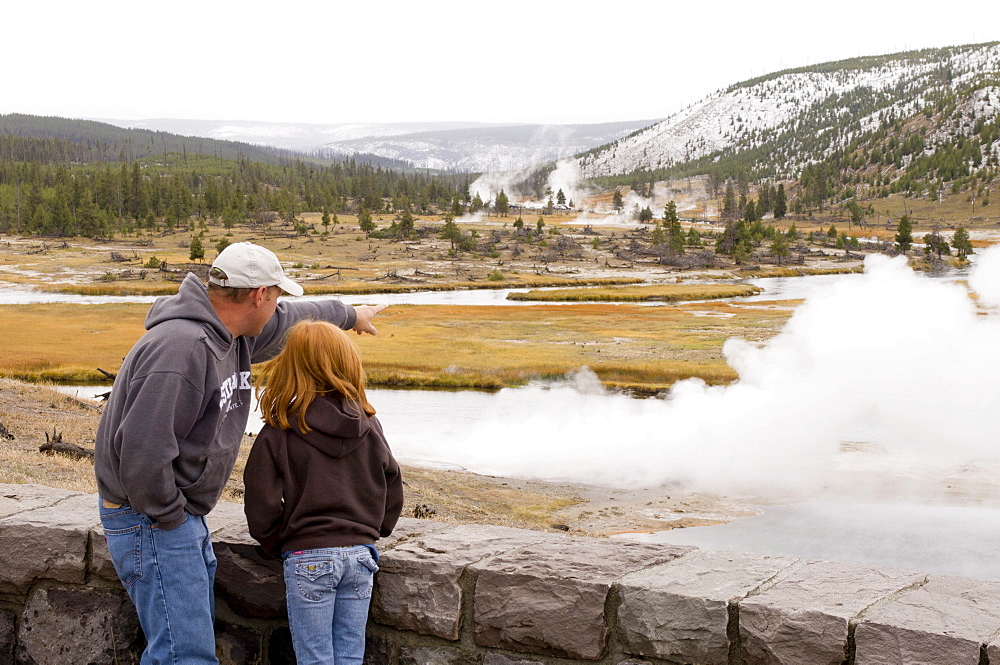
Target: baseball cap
244,265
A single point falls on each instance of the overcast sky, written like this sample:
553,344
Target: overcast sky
549,61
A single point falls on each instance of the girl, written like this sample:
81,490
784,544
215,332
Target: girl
321,487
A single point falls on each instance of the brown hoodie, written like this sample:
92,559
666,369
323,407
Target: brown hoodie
336,486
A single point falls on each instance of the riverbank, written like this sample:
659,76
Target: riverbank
31,412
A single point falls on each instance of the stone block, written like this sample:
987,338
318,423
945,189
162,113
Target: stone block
47,543
804,619
501,659
408,528
417,587
549,598
249,581
436,655
946,620
100,565
79,625
226,516
19,498
679,612
993,651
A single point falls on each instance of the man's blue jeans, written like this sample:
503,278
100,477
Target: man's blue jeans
328,592
169,575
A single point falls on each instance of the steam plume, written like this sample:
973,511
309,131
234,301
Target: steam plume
904,365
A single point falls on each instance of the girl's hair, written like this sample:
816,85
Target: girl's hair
318,358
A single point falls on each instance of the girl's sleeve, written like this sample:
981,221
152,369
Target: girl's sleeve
393,497
264,490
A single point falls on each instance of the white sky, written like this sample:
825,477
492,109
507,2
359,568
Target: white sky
549,61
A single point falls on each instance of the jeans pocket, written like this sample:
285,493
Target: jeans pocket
313,578
124,546
364,576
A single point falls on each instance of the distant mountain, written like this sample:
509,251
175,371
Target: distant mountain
450,146
894,111
487,148
301,137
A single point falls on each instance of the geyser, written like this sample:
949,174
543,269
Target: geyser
880,384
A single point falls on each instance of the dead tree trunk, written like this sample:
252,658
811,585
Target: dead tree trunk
55,445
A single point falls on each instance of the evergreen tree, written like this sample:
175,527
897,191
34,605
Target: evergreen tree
780,203
560,197
779,247
904,234
365,222
617,202
502,204
729,207
197,250
962,243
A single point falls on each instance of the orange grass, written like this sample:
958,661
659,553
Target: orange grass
460,346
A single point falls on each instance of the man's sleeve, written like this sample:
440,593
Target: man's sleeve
269,342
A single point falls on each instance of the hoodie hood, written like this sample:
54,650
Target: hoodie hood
335,428
192,303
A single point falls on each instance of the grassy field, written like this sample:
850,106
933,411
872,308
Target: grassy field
628,346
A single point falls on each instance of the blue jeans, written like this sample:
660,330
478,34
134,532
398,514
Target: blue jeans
169,575
328,592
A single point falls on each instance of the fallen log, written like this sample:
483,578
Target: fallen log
55,444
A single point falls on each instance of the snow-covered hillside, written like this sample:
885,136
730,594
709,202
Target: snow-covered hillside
746,115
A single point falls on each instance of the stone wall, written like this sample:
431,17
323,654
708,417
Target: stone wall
450,595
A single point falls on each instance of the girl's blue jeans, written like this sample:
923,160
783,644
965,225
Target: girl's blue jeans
169,575
328,592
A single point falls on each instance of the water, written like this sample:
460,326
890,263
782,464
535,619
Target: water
947,540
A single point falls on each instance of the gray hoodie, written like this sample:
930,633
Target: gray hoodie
169,436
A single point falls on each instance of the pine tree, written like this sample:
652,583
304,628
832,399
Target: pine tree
197,249
962,243
904,234
780,202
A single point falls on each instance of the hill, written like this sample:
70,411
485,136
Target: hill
95,141
920,123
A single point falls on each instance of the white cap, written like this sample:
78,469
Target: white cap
244,265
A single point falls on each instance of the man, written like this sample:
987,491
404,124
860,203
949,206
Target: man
169,436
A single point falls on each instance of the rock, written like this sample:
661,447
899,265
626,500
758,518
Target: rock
422,655
66,625
47,543
251,583
944,621
549,598
100,564
21,498
237,645
279,647
417,587
501,659
8,636
803,620
680,611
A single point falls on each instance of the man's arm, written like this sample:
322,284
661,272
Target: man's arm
269,342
